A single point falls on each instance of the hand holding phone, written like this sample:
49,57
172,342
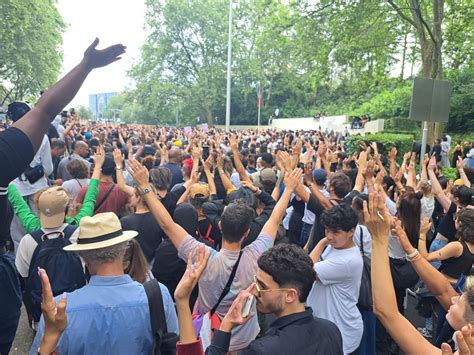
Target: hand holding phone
247,306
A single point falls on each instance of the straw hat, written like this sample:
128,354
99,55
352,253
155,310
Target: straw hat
100,231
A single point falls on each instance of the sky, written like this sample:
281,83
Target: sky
113,21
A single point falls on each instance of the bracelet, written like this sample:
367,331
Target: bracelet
416,258
423,239
118,168
411,256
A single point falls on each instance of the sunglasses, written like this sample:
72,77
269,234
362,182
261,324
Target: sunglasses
260,290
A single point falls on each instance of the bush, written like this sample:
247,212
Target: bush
450,173
385,142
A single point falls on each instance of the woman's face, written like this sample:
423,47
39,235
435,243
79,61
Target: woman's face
455,315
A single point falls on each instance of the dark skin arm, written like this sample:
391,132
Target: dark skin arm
36,122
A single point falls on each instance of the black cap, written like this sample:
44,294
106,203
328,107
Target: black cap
17,110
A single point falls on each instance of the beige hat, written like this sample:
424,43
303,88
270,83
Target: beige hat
100,231
52,205
268,175
200,189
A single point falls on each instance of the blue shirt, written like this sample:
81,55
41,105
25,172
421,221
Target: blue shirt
110,315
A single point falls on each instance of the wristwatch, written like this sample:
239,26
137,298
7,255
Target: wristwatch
146,190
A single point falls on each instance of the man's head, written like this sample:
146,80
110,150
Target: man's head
174,156
339,185
52,204
267,160
319,176
340,222
81,148
161,178
58,147
17,110
108,167
235,221
101,242
284,279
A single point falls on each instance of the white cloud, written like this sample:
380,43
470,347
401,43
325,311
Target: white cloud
113,21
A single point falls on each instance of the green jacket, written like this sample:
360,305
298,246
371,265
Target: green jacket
32,223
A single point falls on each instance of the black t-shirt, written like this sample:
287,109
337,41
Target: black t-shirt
168,268
150,234
446,225
16,152
171,199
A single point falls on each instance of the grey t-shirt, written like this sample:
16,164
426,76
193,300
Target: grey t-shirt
216,275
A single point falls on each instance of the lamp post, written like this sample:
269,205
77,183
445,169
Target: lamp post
229,70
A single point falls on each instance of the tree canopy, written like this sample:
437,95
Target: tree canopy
333,56
30,58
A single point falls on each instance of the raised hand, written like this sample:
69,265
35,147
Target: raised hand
292,179
392,154
197,263
96,58
118,157
99,156
54,315
432,163
465,340
308,173
400,233
425,226
139,173
377,218
248,185
460,164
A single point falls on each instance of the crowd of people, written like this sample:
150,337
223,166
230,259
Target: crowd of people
133,239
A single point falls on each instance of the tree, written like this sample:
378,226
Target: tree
30,59
84,113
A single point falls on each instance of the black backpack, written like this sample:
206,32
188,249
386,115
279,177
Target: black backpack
64,268
164,343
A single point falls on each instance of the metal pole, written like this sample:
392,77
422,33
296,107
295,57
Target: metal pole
424,139
229,70
259,104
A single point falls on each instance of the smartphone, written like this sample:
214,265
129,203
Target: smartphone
205,152
247,306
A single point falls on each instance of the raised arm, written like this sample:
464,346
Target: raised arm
464,179
224,178
237,161
118,158
383,293
291,181
174,231
436,282
436,187
392,156
36,122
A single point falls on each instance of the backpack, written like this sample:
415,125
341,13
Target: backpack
64,269
164,343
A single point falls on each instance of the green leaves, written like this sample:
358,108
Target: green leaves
30,58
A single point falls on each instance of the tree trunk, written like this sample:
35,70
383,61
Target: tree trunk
208,114
402,71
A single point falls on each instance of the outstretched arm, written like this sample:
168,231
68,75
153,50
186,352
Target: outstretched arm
378,220
36,122
291,181
436,186
436,282
174,231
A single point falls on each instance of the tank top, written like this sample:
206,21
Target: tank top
454,267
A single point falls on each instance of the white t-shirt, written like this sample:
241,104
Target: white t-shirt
366,239
335,295
28,245
43,157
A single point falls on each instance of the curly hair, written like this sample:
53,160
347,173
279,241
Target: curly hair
289,266
340,217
